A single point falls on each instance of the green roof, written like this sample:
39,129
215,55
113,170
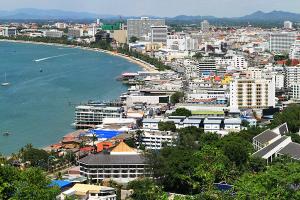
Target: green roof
111,27
207,112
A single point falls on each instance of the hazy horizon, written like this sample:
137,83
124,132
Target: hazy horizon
162,8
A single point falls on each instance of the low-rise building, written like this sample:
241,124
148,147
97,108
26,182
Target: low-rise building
271,144
157,139
212,125
123,164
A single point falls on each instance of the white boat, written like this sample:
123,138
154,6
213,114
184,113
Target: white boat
5,83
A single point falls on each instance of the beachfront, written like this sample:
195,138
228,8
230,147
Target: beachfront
144,65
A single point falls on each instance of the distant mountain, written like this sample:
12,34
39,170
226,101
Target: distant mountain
39,14
272,16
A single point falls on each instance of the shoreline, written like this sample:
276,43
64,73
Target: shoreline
144,65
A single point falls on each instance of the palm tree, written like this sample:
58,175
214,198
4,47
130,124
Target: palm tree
94,139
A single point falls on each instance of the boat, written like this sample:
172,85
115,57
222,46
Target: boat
5,83
41,70
6,133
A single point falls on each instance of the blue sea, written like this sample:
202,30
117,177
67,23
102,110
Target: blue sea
35,108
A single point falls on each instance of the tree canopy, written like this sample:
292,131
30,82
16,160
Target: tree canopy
182,112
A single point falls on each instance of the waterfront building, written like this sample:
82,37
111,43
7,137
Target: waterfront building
287,25
75,32
205,26
88,116
142,27
53,33
252,93
159,34
123,164
9,31
281,42
274,143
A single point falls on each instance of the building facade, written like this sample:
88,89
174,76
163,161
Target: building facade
281,42
123,164
252,93
159,34
142,27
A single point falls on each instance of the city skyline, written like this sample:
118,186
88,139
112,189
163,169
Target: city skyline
158,8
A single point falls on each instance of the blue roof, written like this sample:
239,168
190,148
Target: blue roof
61,183
105,133
223,186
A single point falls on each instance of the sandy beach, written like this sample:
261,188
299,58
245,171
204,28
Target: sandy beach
144,65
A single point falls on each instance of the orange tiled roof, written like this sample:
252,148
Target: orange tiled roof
122,148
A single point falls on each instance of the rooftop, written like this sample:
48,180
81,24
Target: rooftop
107,159
265,136
261,153
292,150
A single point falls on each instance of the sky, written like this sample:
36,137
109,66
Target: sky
163,8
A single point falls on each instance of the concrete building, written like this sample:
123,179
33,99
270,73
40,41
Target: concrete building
142,27
159,34
60,25
287,25
295,92
279,81
88,116
9,31
123,164
182,42
281,42
292,75
232,124
156,139
252,93
295,49
236,61
205,26
75,32
53,33
120,36
212,125
207,66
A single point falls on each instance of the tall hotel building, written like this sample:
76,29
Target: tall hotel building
281,42
142,27
252,93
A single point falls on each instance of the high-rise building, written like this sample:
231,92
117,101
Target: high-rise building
159,34
281,42
288,25
205,25
142,27
9,31
252,93
295,49
60,25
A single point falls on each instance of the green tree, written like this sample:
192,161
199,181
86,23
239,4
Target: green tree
36,157
177,97
133,39
279,181
146,189
28,184
182,112
167,126
290,115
